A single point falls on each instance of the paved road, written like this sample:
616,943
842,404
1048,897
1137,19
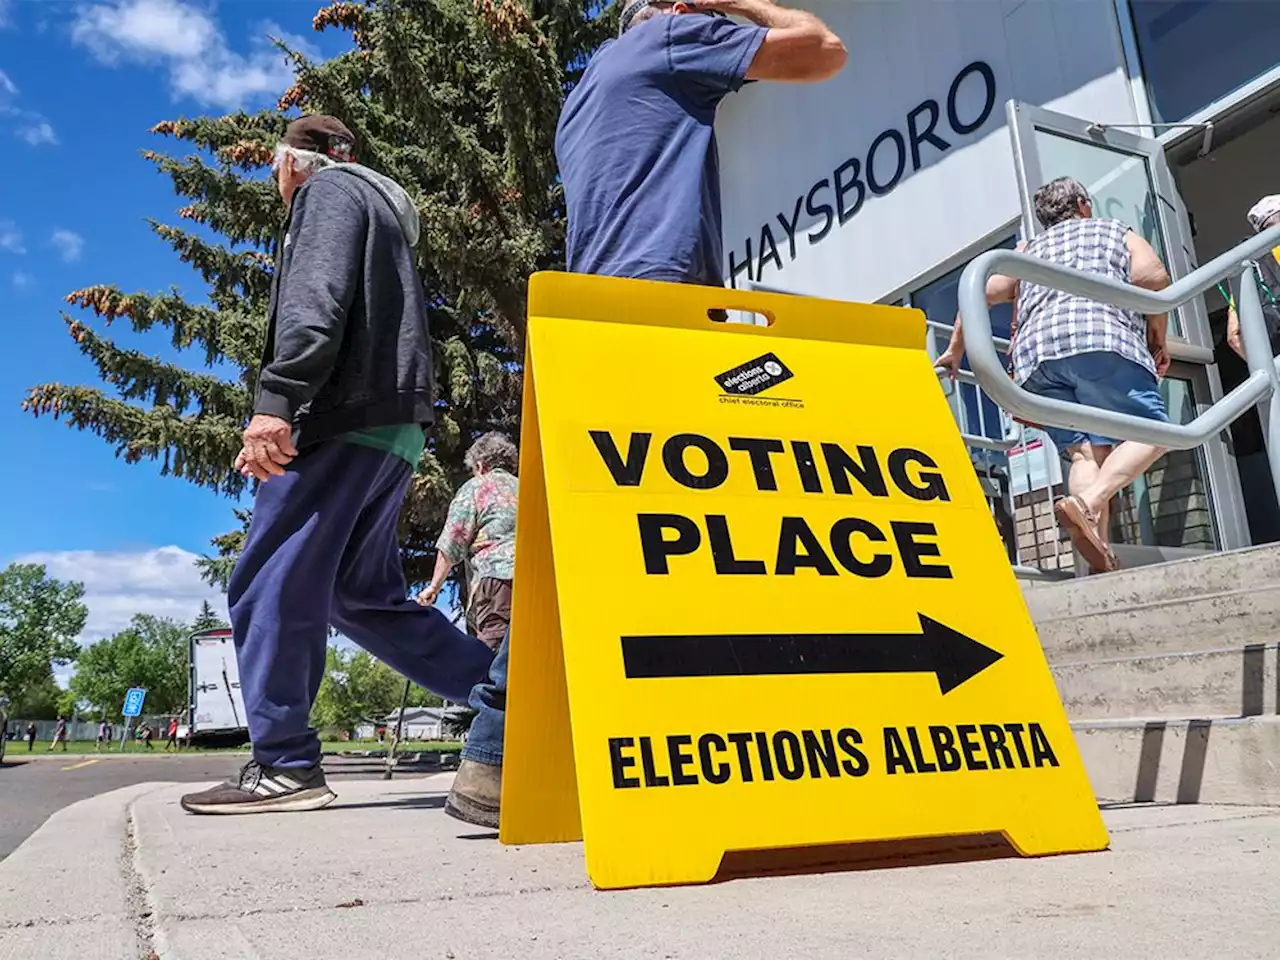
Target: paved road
30,791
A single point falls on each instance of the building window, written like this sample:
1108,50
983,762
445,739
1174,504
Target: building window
1195,52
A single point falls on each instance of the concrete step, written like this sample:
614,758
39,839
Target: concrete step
1193,576
1190,648
1207,603
1233,761
1241,681
1213,621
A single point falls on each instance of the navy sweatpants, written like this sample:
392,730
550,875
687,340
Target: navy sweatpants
322,550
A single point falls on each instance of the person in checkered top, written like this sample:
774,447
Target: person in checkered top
1071,348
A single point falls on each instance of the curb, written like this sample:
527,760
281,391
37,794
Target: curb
66,886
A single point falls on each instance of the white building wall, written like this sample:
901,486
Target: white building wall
779,141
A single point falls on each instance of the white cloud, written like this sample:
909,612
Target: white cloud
182,36
21,281
144,28
11,237
5,18
30,125
163,581
69,243
38,133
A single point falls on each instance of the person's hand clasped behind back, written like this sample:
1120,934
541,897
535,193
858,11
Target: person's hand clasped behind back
267,447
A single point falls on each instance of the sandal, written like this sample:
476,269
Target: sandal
1082,525
1115,564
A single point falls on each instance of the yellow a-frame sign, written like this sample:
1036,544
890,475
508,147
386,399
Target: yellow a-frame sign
760,599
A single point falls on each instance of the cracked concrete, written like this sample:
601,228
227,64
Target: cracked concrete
63,892
384,874
137,890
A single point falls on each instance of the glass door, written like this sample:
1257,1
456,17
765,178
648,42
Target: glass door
1129,180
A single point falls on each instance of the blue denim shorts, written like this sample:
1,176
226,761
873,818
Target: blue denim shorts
1100,379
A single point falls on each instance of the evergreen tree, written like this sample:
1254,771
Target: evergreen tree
208,619
457,100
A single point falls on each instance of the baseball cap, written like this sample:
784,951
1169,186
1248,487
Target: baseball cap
322,134
1264,210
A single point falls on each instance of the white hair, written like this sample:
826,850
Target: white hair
304,161
493,451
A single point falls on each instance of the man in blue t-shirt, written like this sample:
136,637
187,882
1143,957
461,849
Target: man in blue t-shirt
636,142
641,179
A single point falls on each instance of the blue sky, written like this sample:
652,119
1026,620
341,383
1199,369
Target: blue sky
80,85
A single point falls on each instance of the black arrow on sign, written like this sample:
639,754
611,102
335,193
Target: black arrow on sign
937,649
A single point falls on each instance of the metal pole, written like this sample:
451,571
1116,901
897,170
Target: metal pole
395,737
1024,462
1257,354
1142,507
124,737
1045,443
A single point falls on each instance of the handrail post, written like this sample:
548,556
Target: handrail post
1257,354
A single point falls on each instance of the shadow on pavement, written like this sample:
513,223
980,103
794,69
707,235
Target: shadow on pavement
429,801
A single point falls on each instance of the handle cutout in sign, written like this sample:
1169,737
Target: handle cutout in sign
751,318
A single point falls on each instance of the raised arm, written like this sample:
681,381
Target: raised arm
798,46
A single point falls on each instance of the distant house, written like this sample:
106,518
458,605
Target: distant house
420,723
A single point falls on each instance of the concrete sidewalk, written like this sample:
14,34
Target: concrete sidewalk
385,874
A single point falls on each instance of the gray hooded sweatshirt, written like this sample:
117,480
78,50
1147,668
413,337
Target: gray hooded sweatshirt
347,344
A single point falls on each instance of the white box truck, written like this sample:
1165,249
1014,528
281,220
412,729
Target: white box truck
216,705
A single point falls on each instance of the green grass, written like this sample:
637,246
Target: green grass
406,746
16,750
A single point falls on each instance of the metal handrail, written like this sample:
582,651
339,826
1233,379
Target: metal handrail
986,443
1262,382
1000,342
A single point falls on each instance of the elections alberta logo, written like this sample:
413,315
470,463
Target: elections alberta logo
747,380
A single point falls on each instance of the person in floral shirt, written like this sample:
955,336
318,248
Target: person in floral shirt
481,532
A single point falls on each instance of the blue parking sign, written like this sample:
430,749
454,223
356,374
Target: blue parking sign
133,701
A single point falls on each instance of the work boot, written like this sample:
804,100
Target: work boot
476,793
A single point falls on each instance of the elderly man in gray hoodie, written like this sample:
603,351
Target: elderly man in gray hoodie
343,397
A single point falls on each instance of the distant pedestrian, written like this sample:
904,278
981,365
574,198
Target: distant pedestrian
104,735
147,733
172,741
60,734
31,735
481,531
